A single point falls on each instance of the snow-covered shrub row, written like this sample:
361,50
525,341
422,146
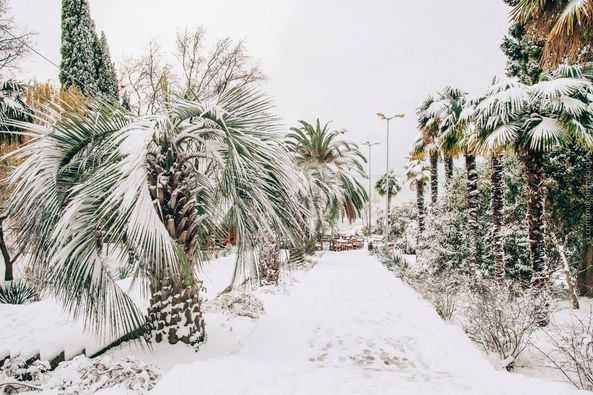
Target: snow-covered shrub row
441,290
444,245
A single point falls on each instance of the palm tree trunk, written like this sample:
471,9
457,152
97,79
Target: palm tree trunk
8,266
296,257
585,274
497,204
269,263
175,312
420,206
388,217
472,205
535,217
434,178
448,170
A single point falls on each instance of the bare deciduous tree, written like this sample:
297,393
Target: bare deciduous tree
206,73
147,80
14,44
199,72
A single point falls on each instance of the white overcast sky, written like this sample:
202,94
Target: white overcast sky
341,60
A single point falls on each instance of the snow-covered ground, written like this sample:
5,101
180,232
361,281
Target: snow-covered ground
347,326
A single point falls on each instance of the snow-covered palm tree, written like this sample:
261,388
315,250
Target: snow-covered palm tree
388,185
531,120
450,128
458,135
418,174
332,168
495,154
566,26
428,145
157,191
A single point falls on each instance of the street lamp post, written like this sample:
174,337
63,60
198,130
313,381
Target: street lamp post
370,145
388,119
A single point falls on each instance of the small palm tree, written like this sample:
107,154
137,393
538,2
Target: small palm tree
388,185
418,174
158,190
531,120
566,25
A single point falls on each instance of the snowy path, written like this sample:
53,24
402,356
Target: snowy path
349,327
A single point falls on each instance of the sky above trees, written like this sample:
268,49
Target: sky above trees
337,60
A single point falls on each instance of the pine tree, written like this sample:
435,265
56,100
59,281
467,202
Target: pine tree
78,66
105,70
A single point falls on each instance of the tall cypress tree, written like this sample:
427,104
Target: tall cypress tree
105,70
78,66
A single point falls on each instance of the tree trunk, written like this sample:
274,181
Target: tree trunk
420,206
566,271
535,217
434,178
175,312
497,204
8,265
388,216
296,257
269,263
448,170
472,212
585,274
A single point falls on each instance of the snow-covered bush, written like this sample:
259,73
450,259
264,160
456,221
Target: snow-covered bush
404,227
17,292
240,304
83,376
17,368
502,318
444,294
572,351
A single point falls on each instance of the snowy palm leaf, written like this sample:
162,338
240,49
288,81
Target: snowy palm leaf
546,133
536,118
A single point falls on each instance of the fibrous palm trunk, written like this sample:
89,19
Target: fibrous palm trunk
269,263
497,204
420,206
535,214
585,275
388,216
8,266
296,257
434,178
448,170
472,213
175,311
